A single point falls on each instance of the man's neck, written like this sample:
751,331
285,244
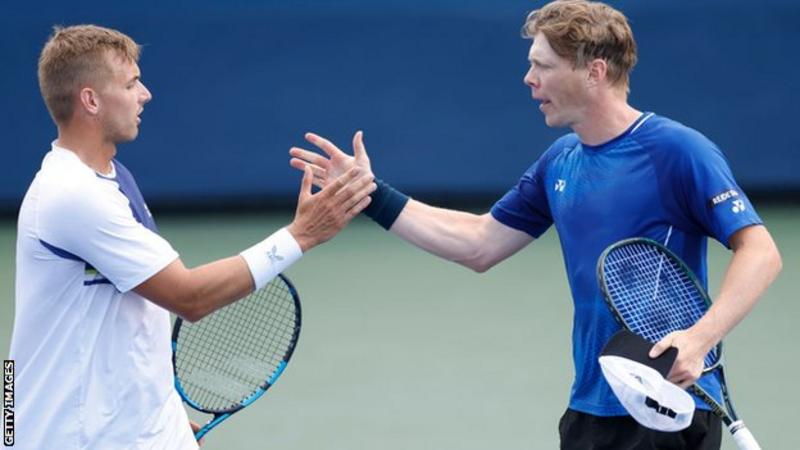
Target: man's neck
605,120
90,148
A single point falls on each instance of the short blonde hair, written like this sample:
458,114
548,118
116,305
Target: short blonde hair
74,57
582,31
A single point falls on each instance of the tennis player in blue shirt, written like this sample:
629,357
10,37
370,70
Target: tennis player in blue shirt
620,173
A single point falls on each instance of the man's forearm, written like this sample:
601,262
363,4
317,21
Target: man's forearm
453,235
755,264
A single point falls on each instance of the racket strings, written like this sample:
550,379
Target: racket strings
653,294
227,356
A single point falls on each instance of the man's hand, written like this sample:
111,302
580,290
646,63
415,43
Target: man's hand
195,428
321,216
336,164
692,350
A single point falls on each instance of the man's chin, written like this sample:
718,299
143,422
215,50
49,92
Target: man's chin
552,122
129,137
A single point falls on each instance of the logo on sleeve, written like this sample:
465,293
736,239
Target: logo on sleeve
738,205
560,185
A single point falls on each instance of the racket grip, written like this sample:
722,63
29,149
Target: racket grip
743,437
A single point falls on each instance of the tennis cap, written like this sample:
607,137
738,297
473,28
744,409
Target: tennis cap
639,383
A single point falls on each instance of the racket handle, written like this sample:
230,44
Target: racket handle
743,437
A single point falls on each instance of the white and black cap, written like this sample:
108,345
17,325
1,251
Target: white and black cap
639,383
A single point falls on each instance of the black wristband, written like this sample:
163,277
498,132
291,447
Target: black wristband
387,203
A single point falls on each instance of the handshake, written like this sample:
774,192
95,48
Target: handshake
346,183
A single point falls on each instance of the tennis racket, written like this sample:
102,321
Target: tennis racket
227,360
651,292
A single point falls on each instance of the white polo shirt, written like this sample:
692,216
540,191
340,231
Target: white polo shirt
93,358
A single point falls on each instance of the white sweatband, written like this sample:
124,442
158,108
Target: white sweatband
272,256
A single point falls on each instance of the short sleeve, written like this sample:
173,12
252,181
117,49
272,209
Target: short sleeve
525,207
711,193
95,223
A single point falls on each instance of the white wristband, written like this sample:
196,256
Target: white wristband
272,256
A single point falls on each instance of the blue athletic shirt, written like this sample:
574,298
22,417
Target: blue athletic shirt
657,179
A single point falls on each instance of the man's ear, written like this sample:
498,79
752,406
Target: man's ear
89,101
597,73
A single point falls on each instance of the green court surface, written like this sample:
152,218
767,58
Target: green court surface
400,350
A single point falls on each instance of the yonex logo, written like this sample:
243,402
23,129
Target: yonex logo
273,255
560,185
738,206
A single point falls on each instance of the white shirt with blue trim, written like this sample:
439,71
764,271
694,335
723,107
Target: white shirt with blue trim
93,358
